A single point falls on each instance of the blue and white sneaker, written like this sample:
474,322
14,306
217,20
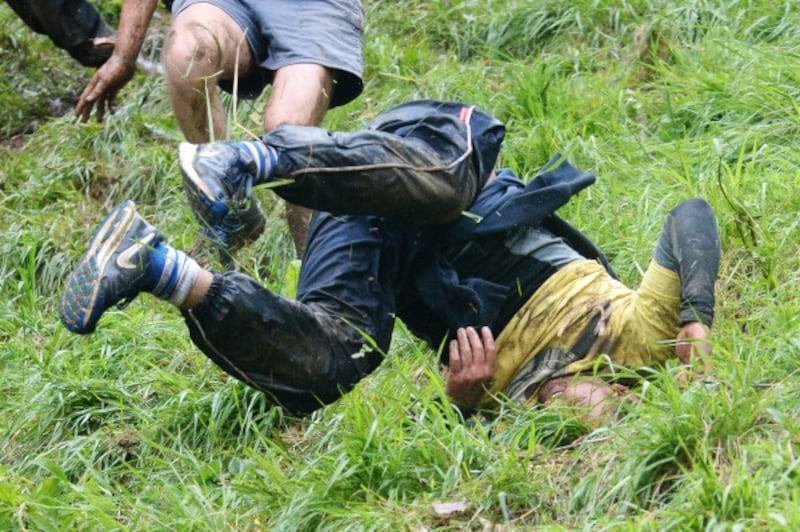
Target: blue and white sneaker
218,180
113,270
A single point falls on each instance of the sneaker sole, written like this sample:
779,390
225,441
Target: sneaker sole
196,189
200,196
81,297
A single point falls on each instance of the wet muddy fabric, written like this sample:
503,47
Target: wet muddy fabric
420,163
70,24
301,355
581,319
359,274
306,353
481,277
689,244
393,259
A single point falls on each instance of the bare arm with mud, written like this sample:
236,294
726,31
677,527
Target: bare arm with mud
101,92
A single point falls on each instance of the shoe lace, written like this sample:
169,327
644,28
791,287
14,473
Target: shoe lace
242,193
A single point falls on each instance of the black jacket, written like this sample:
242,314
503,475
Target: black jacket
470,278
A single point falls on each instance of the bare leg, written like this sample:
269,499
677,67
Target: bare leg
199,289
300,96
204,45
298,219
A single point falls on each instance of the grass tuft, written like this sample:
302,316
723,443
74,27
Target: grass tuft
133,428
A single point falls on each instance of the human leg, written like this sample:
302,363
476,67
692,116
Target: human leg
689,245
302,353
127,256
684,266
301,94
308,352
424,175
313,59
318,44
204,45
421,163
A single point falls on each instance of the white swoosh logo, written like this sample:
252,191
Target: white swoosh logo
124,258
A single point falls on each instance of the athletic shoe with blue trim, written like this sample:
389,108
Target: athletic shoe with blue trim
113,270
218,180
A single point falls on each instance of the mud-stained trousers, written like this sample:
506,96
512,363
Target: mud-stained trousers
420,163
70,24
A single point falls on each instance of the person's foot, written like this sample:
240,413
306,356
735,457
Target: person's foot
113,270
218,180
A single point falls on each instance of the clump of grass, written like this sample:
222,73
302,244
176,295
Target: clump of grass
133,428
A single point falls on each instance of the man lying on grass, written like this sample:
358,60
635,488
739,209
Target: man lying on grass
412,222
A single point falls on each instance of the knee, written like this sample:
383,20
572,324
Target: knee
454,197
191,53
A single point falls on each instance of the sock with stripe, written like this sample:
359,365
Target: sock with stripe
264,157
172,272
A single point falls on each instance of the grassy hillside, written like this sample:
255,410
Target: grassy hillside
133,428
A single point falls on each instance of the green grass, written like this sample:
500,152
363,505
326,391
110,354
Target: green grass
133,428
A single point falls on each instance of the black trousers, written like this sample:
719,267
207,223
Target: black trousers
70,24
375,189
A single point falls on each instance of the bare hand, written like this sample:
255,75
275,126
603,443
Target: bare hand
472,364
692,345
103,88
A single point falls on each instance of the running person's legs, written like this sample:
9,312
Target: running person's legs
204,45
312,55
301,95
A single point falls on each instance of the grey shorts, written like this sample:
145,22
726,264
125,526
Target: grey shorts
286,32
